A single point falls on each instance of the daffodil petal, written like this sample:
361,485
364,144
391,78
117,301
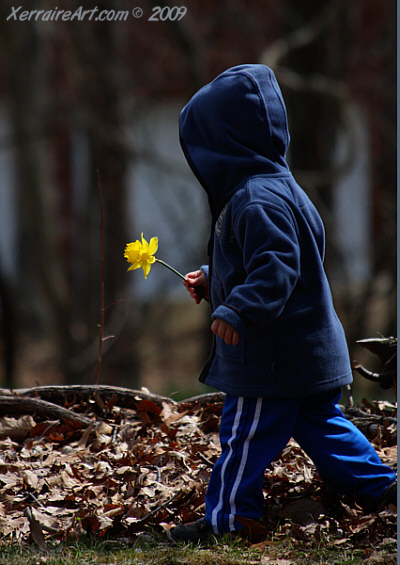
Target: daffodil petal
153,246
133,252
145,245
146,269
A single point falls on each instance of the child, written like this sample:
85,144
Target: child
279,350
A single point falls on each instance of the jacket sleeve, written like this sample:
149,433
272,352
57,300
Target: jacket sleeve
270,249
204,268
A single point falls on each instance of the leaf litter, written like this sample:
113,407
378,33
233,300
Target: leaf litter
140,469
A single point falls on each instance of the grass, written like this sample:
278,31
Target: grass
154,551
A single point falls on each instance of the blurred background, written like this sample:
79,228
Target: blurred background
84,95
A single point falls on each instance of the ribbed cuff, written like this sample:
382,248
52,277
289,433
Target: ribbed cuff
229,316
204,268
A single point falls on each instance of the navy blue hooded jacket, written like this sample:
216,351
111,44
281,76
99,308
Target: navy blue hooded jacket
266,275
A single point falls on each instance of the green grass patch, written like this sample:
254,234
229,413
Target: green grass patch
156,551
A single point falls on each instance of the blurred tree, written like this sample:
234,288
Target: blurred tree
97,78
58,249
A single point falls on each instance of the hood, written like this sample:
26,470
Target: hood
233,128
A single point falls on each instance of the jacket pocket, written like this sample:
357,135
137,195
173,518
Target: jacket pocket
232,353
261,349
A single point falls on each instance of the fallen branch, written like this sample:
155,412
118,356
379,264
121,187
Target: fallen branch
353,413
17,405
204,399
123,397
49,401
371,424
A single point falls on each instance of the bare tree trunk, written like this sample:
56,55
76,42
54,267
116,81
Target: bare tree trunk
95,52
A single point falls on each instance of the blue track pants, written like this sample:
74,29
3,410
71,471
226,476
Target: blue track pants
253,431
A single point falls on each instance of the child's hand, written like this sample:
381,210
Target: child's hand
225,332
197,285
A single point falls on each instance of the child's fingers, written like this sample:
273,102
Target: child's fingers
235,338
195,292
196,284
225,332
195,278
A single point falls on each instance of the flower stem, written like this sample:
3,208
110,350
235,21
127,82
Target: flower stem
170,268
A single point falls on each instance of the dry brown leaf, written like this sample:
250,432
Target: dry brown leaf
36,530
9,481
16,429
11,524
32,479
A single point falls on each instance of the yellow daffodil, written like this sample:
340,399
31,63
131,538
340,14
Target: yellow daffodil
141,254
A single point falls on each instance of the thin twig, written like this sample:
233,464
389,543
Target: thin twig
160,507
205,459
101,324
156,469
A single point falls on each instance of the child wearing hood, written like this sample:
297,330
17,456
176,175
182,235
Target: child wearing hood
279,351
